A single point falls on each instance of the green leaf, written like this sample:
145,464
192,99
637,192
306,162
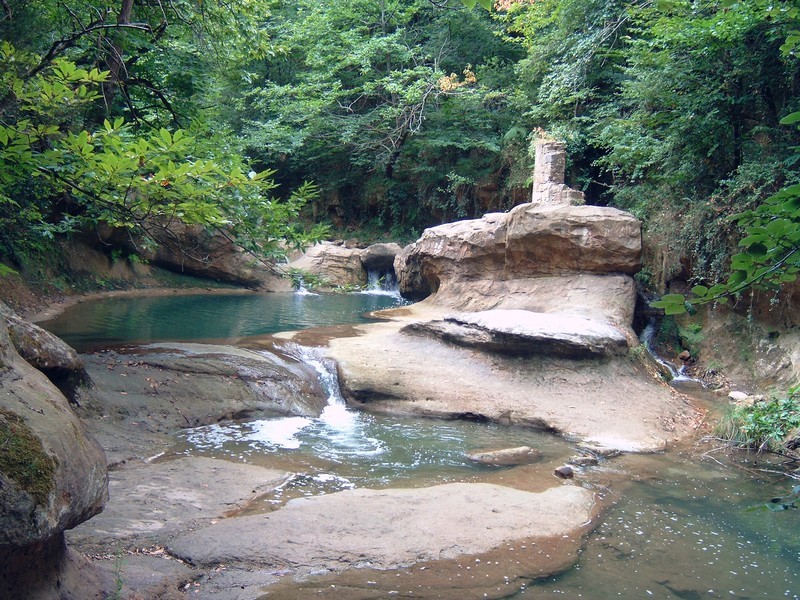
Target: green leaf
700,290
791,118
469,3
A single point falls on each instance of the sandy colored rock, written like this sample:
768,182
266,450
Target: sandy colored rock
548,175
609,298
336,265
525,333
150,502
505,457
611,403
529,241
391,528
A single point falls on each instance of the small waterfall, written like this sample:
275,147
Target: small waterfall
302,290
335,414
382,281
647,338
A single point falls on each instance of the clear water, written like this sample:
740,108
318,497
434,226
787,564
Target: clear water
688,530
683,526
345,449
223,318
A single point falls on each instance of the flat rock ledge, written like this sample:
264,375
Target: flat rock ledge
153,501
389,529
527,333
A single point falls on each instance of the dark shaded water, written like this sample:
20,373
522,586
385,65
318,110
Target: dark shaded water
223,318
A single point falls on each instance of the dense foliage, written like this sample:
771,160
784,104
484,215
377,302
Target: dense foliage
406,113
89,134
770,425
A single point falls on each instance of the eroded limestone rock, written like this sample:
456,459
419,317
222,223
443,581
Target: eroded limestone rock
548,176
524,333
201,252
336,265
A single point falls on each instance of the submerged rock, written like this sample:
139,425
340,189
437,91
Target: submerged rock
565,472
506,457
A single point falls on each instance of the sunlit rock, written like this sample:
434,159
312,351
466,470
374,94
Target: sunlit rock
506,457
522,332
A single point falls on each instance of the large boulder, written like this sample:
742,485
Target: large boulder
558,239
526,333
334,264
45,352
529,241
52,477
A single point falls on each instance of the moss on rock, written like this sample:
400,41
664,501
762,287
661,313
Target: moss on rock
23,458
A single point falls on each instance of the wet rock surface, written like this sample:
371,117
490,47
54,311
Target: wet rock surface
390,529
153,502
141,393
506,457
611,403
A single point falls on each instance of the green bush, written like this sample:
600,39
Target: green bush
772,425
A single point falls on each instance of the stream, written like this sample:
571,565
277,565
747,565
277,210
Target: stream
685,524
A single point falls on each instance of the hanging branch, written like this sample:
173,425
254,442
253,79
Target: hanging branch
60,45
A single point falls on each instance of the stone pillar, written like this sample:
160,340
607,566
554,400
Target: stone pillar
548,176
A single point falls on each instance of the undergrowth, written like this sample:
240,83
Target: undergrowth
767,426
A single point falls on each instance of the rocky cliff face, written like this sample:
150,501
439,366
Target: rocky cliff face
52,477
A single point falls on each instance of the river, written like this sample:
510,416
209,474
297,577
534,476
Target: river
687,524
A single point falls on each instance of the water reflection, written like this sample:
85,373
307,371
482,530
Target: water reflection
221,317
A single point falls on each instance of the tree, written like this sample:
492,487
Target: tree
113,174
355,98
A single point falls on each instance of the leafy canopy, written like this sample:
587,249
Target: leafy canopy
114,174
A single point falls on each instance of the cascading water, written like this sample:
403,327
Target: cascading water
383,281
646,338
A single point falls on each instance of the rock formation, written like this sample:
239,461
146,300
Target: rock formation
548,176
527,319
197,251
45,352
340,266
546,256
52,477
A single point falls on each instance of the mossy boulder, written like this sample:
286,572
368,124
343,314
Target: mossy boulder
52,474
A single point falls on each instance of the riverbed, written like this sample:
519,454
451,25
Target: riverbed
682,524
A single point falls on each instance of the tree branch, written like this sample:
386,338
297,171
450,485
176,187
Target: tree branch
60,45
